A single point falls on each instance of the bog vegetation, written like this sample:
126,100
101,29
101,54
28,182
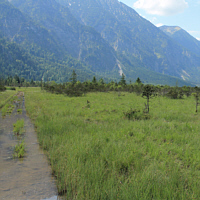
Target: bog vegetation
19,150
105,141
18,127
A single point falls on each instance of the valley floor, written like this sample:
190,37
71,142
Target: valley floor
97,153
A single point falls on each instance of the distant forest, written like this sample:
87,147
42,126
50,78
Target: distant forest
76,88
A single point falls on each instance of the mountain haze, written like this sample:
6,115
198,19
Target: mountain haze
183,38
136,38
104,38
72,38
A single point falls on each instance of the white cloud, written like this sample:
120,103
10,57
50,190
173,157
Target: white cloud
160,24
198,39
161,7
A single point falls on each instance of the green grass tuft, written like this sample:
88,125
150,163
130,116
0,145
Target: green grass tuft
19,150
18,127
19,111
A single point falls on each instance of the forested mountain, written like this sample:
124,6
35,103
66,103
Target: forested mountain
81,42
131,35
51,56
14,60
104,38
183,38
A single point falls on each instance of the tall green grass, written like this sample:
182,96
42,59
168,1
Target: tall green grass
97,153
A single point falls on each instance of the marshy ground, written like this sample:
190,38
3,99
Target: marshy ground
29,177
99,148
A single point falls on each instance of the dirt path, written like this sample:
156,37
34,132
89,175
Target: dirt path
25,179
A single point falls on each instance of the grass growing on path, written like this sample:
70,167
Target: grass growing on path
19,150
18,127
97,153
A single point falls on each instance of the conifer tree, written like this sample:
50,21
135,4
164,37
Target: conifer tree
123,80
73,78
138,81
148,92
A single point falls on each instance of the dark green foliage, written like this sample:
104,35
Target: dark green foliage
138,81
175,93
2,88
148,92
196,96
73,78
136,115
123,80
11,88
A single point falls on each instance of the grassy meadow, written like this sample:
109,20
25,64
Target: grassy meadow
6,96
97,153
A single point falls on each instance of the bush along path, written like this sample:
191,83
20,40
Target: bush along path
24,170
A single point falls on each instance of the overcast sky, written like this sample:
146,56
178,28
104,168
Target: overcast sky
183,13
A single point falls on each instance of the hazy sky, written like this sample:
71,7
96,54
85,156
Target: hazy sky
183,13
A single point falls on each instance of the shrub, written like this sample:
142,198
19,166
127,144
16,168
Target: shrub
136,115
10,88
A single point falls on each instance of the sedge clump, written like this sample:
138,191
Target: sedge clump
19,150
18,127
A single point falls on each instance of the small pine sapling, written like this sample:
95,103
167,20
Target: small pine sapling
73,78
196,96
148,92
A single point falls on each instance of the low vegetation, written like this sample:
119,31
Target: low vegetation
98,150
19,150
7,109
18,127
19,111
5,97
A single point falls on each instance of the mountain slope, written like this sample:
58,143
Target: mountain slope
17,61
140,41
79,41
182,37
59,43
21,29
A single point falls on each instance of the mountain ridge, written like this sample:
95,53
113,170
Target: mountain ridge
116,47
134,36
182,37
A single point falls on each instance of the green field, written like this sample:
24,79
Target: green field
97,153
6,96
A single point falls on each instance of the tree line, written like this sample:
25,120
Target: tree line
77,88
